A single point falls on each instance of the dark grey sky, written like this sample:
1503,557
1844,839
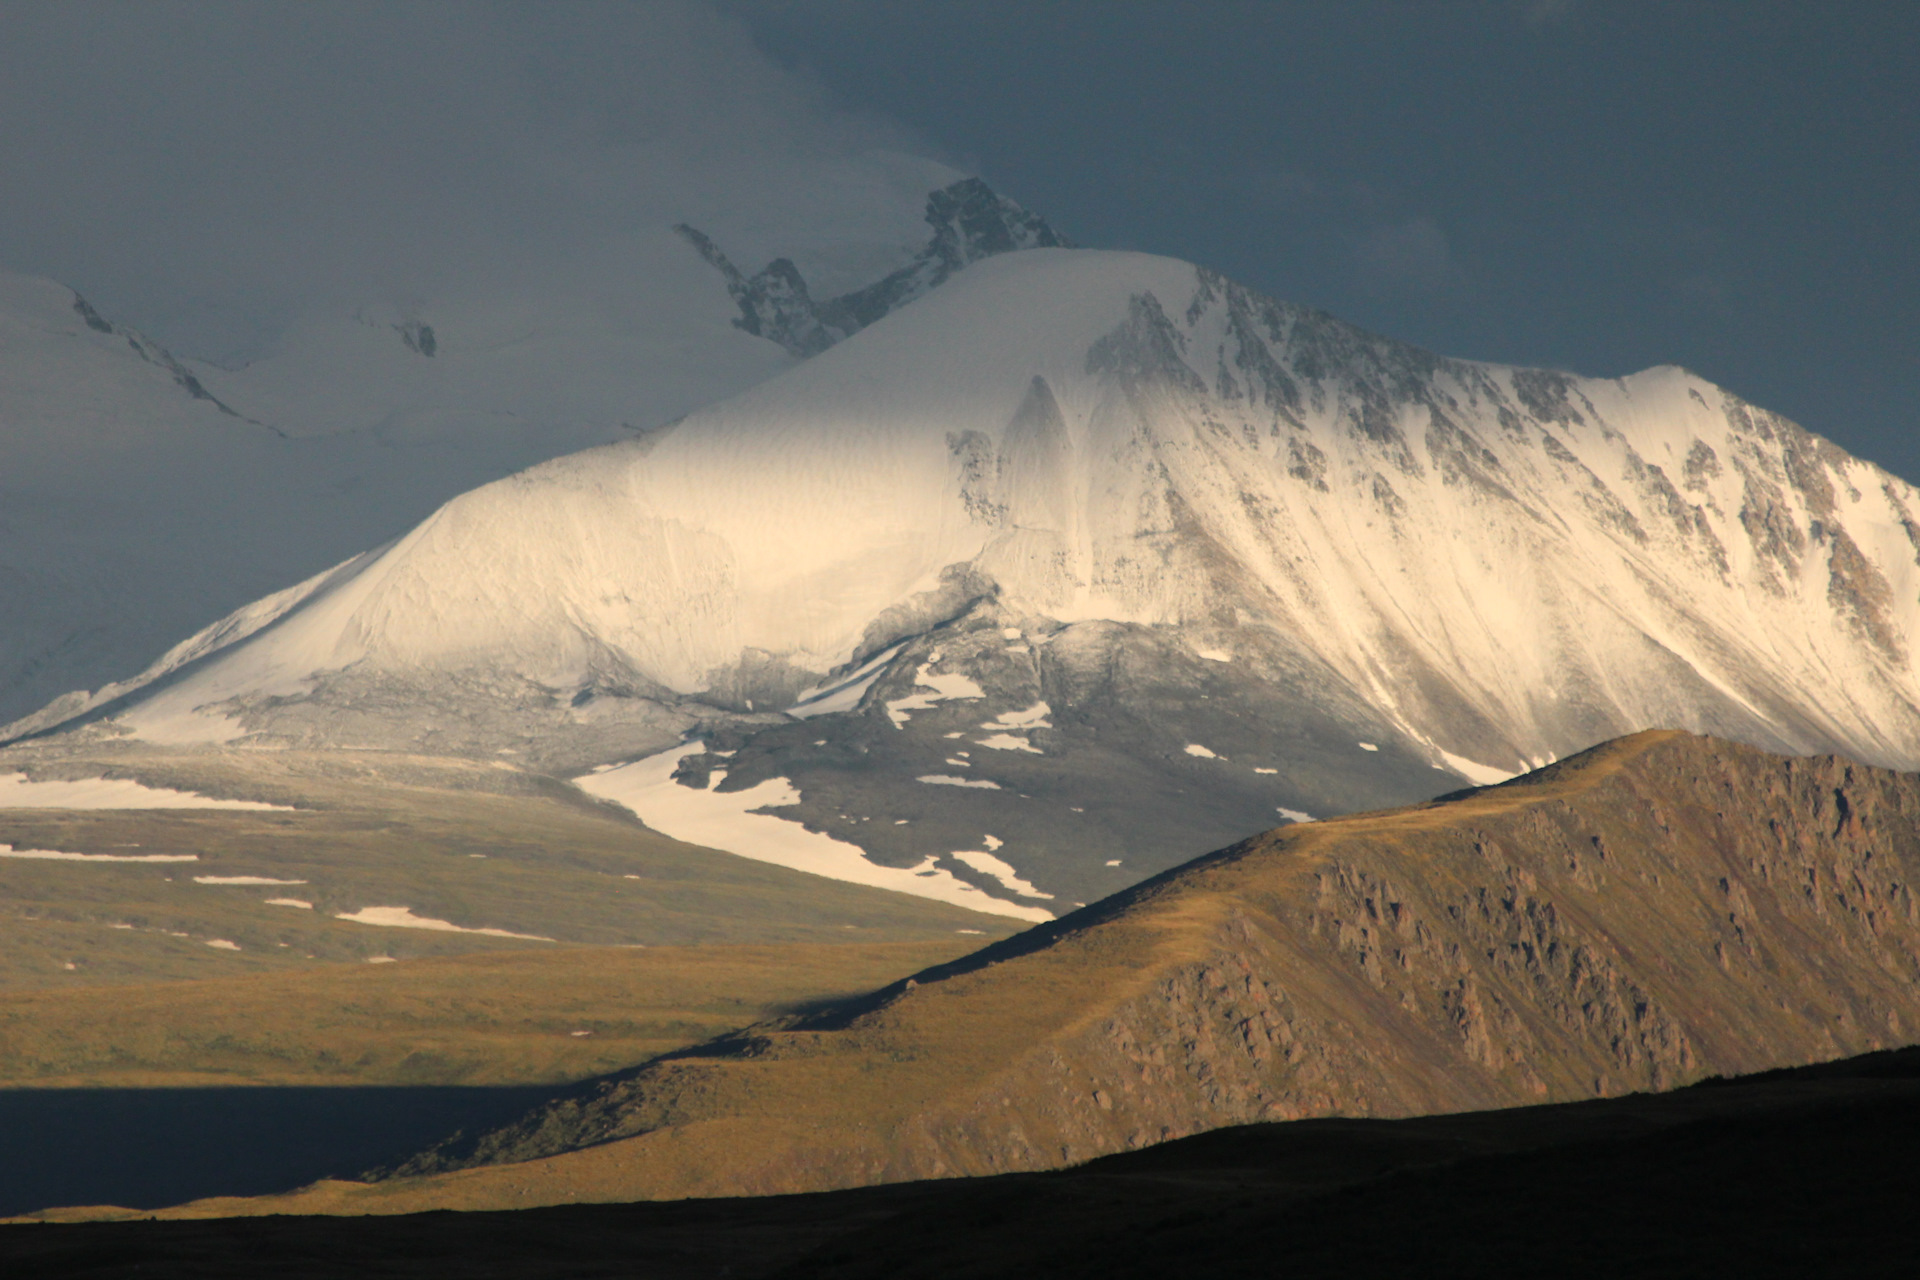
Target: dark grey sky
1595,186
1734,187
209,170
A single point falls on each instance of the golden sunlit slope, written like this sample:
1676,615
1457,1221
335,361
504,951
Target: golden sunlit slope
548,1016
1659,909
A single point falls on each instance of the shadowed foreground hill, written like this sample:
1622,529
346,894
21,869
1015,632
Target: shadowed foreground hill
1659,909
1804,1172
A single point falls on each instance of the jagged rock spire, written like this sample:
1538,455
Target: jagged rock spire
970,221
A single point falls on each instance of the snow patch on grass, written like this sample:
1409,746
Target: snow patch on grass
17,791
1007,874
734,821
404,918
1034,717
243,880
55,855
1480,775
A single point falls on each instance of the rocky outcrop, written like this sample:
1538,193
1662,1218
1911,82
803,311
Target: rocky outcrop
774,302
155,354
970,221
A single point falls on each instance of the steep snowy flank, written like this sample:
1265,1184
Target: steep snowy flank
124,485
1173,511
147,495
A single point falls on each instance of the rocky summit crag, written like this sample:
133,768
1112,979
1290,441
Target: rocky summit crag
1658,910
970,221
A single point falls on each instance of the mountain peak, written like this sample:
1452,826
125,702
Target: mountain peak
970,222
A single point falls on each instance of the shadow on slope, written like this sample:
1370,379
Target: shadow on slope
1804,1172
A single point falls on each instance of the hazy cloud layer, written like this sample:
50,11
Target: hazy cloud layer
1726,184
210,169
1413,254
1731,185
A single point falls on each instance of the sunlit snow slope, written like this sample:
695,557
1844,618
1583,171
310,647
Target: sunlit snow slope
1152,512
146,495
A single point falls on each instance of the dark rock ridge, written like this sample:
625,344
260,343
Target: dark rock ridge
155,354
970,221
1655,911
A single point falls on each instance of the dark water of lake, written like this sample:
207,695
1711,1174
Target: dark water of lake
148,1148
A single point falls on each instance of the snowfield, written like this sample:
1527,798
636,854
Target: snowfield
55,855
17,791
731,820
404,918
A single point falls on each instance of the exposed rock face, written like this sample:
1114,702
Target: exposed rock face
774,302
155,354
417,337
970,221
1660,909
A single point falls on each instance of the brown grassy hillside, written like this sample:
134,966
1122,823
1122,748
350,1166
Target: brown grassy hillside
519,1017
483,846
1659,909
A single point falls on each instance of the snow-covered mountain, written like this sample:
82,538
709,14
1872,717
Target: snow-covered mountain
145,495
1088,562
